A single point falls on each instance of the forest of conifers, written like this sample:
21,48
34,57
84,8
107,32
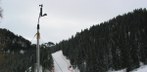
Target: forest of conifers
18,54
116,44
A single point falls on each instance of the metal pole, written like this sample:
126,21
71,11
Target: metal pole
38,38
38,50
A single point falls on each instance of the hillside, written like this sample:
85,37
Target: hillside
116,44
12,42
17,54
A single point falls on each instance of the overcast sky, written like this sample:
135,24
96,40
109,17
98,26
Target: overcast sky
64,17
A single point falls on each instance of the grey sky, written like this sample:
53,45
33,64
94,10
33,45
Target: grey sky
65,17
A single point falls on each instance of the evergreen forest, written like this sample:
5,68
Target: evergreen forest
120,43
18,54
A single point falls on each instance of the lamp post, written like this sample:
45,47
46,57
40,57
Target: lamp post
38,37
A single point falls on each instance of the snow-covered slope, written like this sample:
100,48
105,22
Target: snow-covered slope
61,63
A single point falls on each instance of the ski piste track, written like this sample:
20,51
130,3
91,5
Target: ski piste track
61,64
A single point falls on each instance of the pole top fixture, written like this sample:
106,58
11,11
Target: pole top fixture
41,14
41,5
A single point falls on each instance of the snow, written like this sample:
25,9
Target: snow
21,51
140,69
61,64
30,69
123,70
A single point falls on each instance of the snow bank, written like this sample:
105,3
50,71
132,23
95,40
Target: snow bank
123,70
140,69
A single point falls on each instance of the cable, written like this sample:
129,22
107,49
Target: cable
57,64
33,38
65,60
41,39
70,66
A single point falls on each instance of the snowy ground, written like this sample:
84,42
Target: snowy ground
141,69
61,63
123,70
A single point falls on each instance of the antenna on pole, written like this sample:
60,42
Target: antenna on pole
38,37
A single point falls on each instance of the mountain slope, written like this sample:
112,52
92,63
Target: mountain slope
116,44
10,41
61,64
17,54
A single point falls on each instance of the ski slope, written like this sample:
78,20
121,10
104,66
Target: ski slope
61,64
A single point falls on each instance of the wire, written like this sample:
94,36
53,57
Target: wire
41,39
65,60
57,64
33,37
